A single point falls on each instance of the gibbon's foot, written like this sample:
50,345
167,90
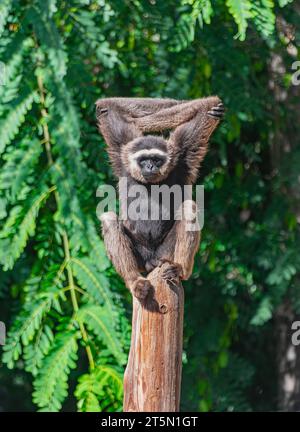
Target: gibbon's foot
217,112
153,263
156,262
141,288
173,273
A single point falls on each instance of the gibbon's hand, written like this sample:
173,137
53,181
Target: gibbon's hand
217,112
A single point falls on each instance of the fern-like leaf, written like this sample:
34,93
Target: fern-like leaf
100,389
24,329
51,383
201,10
9,127
184,32
35,352
41,16
4,12
12,241
264,16
98,253
99,320
283,3
94,282
18,167
241,11
13,56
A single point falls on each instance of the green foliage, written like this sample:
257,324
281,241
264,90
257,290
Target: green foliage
65,308
18,169
50,385
105,383
20,225
10,125
97,287
241,12
98,320
35,352
25,327
66,303
4,11
260,11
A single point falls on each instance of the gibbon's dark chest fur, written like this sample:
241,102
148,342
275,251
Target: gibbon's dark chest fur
147,234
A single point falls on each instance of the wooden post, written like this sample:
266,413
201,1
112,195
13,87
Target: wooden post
152,378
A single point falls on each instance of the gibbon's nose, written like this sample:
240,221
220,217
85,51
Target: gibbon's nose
149,169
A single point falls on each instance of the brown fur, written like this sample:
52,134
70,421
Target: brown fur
121,121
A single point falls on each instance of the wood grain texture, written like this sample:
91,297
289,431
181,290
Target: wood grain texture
152,378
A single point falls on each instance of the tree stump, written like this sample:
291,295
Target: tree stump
152,378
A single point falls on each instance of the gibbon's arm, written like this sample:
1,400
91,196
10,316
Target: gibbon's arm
117,121
116,129
135,107
121,120
173,116
190,140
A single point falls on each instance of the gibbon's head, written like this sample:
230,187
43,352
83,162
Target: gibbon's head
147,159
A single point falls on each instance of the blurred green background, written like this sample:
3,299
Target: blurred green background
66,310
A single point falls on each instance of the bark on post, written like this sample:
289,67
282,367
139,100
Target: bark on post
152,378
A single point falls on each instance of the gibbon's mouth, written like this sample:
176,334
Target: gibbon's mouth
151,176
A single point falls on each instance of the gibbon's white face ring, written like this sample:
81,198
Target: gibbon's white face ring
133,165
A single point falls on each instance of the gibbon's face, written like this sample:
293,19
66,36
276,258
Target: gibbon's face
147,159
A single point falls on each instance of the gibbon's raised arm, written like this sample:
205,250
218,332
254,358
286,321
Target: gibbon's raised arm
117,121
121,120
116,131
171,117
190,140
135,107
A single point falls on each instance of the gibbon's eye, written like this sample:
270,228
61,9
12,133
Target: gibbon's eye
158,162
142,161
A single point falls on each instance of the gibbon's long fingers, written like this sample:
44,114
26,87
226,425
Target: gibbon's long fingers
217,111
103,111
173,272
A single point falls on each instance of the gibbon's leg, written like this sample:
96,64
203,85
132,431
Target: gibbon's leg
187,238
181,245
120,251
